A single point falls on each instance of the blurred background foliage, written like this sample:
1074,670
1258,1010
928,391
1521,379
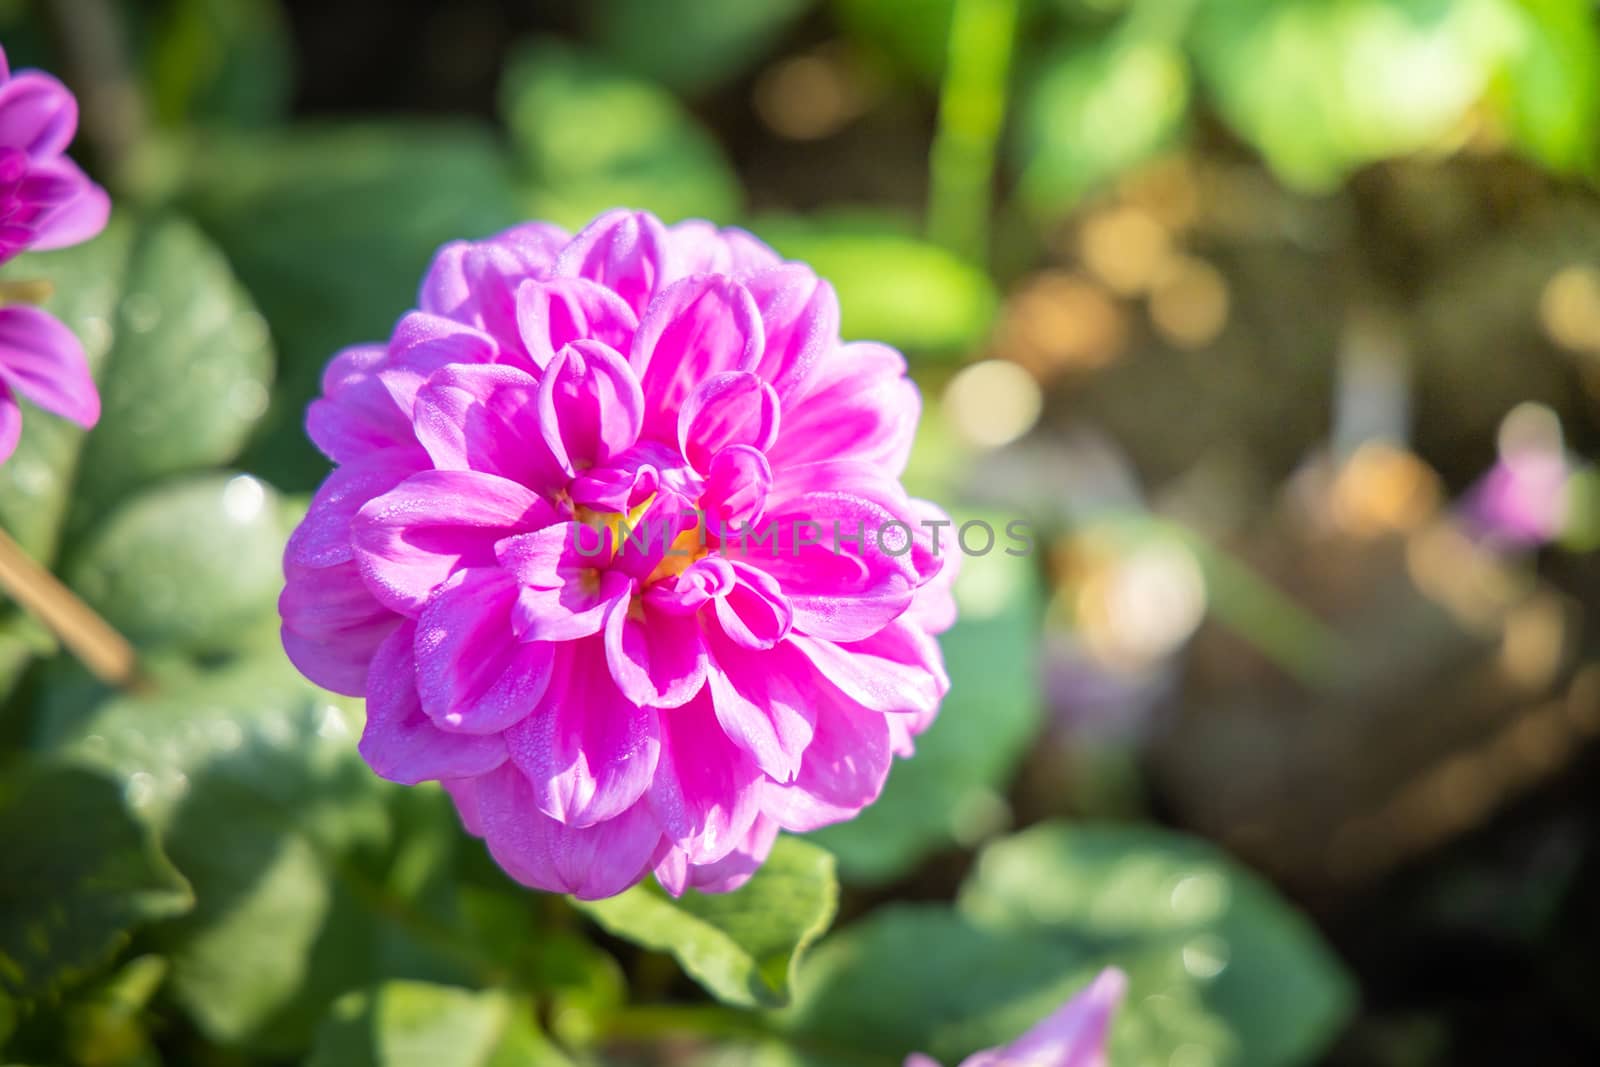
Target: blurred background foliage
1278,319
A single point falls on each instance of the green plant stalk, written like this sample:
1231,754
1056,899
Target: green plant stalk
972,108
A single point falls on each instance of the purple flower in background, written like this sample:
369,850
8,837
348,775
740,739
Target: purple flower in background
1075,1036
45,202
535,557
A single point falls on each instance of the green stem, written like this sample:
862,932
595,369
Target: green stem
972,108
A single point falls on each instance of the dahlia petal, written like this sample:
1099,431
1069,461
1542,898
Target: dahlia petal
1074,1035
10,422
800,319
721,876
658,659
706,795
323,537
77,217
476,282
858,405
726,410
737,481
701,248
589,862
590,406
401,743
463,793
616,489
570,611
552,314
473,675
358,413
899,668
43,361
37,114
624,251
933,606
422,343
761,705
844,770
588,752
332,625
700,583
754,613
825,553
697,327
484,418
410,539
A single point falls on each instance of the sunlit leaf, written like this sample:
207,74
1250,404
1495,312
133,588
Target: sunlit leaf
893,286
415,1024
1184,909
742,946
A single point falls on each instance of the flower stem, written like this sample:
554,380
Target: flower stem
972,108
100,648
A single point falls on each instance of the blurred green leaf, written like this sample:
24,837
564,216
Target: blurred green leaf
1323,86
1182,907
952,790
924,978
182,361
252,778
226,61
893,286
914,34
712,40
744,946
591,138
1550,90
333,226
77,875
193,564
1095,110
415,1024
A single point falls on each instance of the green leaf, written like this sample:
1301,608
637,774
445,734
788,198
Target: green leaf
1182,906
919,978
1281,74
913,34
591,138
332,226
1096,110
416,1024
182,361
744,946
1550,90
194,564
893,286
952,790
251,776
712,40
77,876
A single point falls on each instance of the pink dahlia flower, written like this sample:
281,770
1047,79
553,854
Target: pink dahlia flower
602,551
1075,1036
45,202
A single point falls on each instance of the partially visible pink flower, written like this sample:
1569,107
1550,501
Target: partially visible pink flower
1075,1036
601,705
1521,502
45,202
